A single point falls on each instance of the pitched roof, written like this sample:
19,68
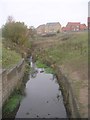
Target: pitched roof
41,25
73,23
53,23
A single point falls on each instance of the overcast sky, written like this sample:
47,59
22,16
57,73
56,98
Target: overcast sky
36,12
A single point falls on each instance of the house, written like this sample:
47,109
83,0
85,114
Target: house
49,28
83,27
41,29
74,27
65,29
53,27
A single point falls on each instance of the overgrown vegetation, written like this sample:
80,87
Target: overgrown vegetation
16,36
73,51
16,42
9,58
16,32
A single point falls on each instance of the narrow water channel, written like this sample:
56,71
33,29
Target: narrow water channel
43,97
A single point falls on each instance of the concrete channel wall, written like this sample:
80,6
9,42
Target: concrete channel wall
11,79
70,101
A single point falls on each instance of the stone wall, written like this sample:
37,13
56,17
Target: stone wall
12,79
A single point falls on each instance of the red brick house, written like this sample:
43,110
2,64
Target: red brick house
65,29
74,26
83,27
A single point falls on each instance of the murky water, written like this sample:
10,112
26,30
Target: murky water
43,98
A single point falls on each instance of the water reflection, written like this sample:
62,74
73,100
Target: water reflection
43,98
34,71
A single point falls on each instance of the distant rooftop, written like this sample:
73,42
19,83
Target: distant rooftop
41,25
74,23
53,23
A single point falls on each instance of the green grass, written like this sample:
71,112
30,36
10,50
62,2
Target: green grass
48,69
40,64
9,58
12,103
74,48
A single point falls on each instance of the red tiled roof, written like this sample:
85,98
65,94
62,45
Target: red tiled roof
73,23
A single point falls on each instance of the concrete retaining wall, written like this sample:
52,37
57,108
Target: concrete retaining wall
12,79
70,100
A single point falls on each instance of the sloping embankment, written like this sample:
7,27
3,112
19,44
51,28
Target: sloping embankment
68,57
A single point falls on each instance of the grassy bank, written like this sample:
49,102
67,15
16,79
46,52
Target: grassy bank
71,54
10,107
9,58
